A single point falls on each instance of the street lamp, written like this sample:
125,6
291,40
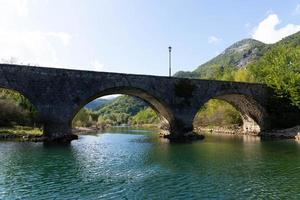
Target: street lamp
170,49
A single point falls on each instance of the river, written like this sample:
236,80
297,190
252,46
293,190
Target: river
125,163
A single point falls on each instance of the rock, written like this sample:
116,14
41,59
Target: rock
298,136
289,133
64,139
187,137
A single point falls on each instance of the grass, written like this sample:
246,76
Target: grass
21,130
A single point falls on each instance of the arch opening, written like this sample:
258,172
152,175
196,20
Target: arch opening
122,107
18,116
232,113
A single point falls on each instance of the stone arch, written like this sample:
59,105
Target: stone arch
23,93
253,114
28,98
158,105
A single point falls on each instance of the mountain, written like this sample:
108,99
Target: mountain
120,110
122,105
290,41
97,104
237,56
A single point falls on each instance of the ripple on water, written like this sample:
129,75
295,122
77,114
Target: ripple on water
139,166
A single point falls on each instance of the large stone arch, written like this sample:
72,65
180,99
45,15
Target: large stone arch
253,114
24,93
158,105
28,97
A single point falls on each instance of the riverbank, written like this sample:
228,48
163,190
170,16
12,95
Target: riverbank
24,133
88,130
289,133
21,133
33,134
232,130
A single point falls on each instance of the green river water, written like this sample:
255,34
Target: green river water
135,164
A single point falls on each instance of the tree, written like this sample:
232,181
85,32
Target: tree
280,69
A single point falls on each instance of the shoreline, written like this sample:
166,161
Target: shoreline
24,134
30,134
21,133
288,133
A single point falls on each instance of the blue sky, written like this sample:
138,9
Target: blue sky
132,36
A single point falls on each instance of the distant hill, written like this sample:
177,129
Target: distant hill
237,56
97,104
123,104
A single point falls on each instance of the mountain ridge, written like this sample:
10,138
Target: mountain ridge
236,56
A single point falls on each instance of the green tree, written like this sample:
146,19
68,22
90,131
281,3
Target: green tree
146,116
82,118
280,69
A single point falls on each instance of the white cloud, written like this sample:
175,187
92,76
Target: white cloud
214,40
297,10
248,25
19,44
65,38
267,32
22,7
32,47
12,12
97,66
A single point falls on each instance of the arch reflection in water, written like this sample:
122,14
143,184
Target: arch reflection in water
129,165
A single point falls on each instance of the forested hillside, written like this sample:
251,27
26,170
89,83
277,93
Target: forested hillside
97,104
236,56
15,109
277,65
122,110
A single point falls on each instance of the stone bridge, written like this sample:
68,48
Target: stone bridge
58,94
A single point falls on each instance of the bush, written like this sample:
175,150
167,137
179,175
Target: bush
217,113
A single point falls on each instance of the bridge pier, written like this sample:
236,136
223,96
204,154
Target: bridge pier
181,128
58,132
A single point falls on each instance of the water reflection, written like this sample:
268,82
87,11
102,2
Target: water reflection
136,164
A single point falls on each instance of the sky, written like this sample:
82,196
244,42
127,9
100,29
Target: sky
132,36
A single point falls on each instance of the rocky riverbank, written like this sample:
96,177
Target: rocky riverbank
35,134
21,137
21,133
232,130
85,130
289,133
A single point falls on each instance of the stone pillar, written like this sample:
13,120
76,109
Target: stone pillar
56,131
57,122
181,127
250,126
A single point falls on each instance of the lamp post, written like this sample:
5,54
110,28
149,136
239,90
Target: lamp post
170,49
